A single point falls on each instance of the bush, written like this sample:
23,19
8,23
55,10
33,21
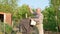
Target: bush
5,28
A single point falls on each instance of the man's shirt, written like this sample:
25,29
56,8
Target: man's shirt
38,17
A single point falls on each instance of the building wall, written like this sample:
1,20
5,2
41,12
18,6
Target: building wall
7,18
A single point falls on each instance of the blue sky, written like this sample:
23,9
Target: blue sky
35,3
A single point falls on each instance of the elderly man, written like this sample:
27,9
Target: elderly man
39,19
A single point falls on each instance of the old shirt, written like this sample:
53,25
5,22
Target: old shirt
38,17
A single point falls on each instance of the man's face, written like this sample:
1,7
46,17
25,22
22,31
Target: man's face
38,11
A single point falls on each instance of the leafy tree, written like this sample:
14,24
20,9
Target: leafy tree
56,5
52,15
21,13
8,6
49,19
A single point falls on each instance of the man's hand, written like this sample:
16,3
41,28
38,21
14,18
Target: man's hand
30,10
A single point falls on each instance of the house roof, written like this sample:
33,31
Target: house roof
4,13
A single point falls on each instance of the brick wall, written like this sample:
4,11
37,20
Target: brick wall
7,18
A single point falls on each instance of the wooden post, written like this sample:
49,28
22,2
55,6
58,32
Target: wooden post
26,15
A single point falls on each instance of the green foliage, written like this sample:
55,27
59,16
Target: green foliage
5,28
21,12
52,15
5,8
8,6
56,5
49,19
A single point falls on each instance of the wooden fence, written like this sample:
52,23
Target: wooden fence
50,32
